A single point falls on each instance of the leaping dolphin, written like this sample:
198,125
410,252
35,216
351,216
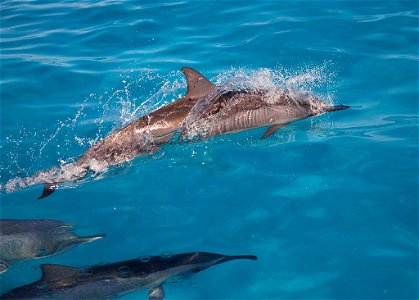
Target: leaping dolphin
30,239
205,111
117,279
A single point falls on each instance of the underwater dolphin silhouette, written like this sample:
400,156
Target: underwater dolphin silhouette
205,111
26,239
117,279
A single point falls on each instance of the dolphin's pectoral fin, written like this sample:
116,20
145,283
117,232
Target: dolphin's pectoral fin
271,130
156,293
4,266
198,85
49,188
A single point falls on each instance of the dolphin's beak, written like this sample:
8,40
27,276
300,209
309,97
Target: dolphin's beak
337,107
88,239
228,258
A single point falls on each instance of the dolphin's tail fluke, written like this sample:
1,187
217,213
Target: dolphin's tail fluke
49,188
336,108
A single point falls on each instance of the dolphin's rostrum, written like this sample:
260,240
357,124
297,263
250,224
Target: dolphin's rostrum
117,279
31,239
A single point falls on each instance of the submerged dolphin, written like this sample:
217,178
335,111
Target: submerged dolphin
205,111
117,279
25,239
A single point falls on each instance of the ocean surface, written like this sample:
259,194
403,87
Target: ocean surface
328,204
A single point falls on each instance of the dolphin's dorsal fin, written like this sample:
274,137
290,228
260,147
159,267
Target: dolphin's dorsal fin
198,85
271,130
156,293
51,272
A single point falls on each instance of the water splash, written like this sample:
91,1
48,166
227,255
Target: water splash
32,150
270,84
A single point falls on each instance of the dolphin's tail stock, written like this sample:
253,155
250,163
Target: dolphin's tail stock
49,188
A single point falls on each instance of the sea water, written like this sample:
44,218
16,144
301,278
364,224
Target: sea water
329,204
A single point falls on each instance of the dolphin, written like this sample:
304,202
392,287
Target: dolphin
205,111
32,239
117,279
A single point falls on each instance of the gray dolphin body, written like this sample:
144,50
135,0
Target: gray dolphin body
205,111
30,239
228,111
117,279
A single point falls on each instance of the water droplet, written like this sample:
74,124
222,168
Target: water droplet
60,230
145,258
84,274
174,280
124,272
195,285
42,252
166,254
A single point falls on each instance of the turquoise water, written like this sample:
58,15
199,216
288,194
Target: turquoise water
329,204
